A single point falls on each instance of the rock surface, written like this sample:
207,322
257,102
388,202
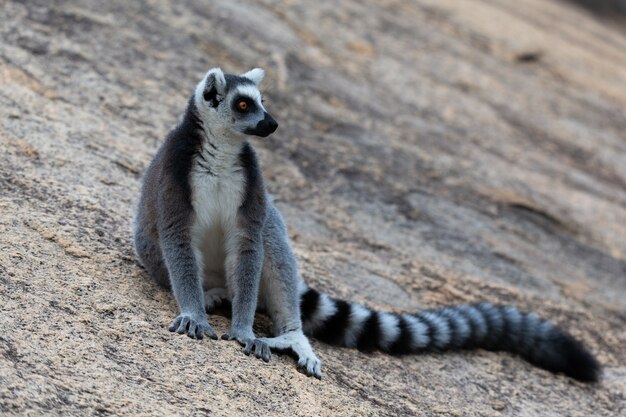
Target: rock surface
429,152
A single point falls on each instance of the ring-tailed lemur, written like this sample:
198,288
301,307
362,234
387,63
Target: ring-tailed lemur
206,228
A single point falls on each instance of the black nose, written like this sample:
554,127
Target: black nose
270,124
264,128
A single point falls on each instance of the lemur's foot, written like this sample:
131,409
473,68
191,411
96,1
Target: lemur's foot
250,343
298,343
261,349
311,366
214,298
195,325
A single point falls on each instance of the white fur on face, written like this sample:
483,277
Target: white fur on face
250,120
252,92
223,121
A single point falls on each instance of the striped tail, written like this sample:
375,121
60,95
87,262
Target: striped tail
483,325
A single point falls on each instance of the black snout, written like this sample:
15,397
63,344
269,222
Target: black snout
265,127
272,124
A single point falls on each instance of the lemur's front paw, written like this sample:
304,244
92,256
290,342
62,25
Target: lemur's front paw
250,343
194,325
260,348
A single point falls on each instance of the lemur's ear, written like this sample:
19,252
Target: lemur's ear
255,75
214,86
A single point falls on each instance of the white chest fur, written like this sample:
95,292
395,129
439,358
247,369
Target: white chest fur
215,199
217,187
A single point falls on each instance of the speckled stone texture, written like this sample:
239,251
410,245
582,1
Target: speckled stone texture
429,152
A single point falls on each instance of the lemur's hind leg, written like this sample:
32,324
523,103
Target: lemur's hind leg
280,294
215,297
149,254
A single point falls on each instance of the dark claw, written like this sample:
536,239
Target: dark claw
228,336
309,371
192,329
261,350
211,333
199,333
175,324
266,353
183,325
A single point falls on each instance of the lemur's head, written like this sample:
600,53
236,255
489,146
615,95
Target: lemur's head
232,104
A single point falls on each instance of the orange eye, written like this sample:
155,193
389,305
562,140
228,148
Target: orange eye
242,105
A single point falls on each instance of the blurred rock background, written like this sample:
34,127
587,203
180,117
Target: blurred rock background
615,9
429,152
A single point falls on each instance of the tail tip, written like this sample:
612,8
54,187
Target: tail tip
577,361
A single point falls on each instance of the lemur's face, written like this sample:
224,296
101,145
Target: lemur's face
233,103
